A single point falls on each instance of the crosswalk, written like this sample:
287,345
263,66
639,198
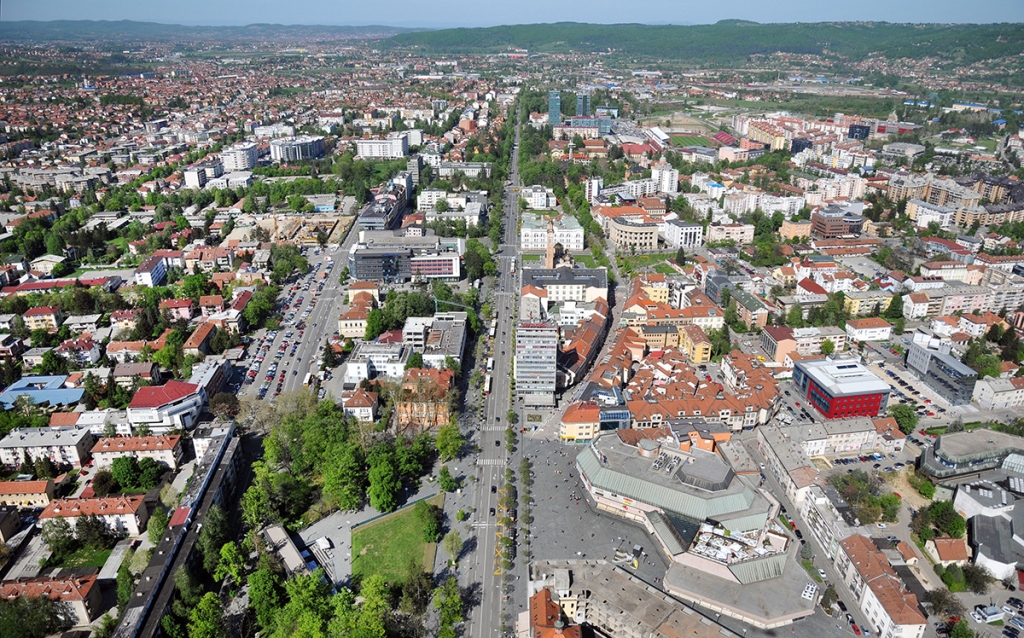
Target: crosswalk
491,462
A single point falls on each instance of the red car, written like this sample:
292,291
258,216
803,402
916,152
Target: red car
856,629
796,403
707,377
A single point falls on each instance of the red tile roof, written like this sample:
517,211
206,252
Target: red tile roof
157,396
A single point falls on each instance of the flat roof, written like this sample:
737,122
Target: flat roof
841,377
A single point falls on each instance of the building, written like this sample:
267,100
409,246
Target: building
996,393
124,515
869,329
370,360
749,309
26,494
45,264
176,405
633,235
680,234
63,446
878,591
240,157
537,231
568,284
536,361
928,359
924,214
538,197
151,273
78,597
739,233
695,343
392,147
296,149
360,404
864,302
554,107
795,229
424,403
166,450
198,343
43,318
833,222
840,388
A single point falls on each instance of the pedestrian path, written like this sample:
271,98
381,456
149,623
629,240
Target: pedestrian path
491,462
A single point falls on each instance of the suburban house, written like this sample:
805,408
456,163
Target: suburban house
79,596
172,406
162,449
124,515
44,317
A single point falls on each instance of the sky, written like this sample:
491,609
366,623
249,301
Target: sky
454,13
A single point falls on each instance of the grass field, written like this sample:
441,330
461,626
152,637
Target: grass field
690,140
86,558
387,545
665,269
638,262
529,257
586,261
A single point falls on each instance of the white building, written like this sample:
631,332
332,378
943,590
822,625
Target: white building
388,148
240,157
294,149
176,405
538,197
360,404
666,178
371,360
891,610
124,515
533,233
60,445
680,234
162,449
869,329
998,393
592,188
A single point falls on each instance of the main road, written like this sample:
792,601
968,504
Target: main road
483,565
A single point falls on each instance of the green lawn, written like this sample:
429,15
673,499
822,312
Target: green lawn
387,545
86,558
665,269
529,257
690,140
811,569
586,261
637,262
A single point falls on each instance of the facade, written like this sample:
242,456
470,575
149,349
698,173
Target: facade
633,236
739,233
878,591
998,393
295,149
151,273
554,107
79,598
538,197
60,445
360,404
795,229
176,405
536,361
389,148
124,515
695,343
863,302
869,329
26,493
240,157
43,317
834,222
680,234
930,361
840,388
424,403
166,450
534,232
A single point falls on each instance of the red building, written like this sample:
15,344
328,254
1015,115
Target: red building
840,389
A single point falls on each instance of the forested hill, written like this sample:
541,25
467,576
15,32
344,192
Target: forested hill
733,41
131,31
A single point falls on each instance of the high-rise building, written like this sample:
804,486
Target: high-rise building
554,108
293,149
583,104
536,361
240,157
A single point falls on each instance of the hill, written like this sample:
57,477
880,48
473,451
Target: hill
733,41
130,31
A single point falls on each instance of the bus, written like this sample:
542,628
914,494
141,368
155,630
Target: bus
308,380
513,270
490,364
494,328
487,384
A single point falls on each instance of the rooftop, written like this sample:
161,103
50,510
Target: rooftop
843,376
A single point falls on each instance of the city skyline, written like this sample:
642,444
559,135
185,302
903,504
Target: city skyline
460,13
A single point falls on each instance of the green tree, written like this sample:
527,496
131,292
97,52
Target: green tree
31,617
429,516
961,630
58,536
445,480
827,347
384,486
328,360
374,324
125,470
205,619
265,595
103,483
415,361
448,600
44,467
232,563
905,417
449,441
157,524
453,543
895,309
212,536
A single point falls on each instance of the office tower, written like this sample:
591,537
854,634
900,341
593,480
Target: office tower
554,108
583,104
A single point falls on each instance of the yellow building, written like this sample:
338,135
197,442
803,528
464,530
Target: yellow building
696,344
859,303
581,422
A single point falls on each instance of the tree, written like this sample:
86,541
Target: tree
265,595
961,630
328,360
448,599
232,563
58,536
977,578
905,417
451,364
453,544
895,309
32,617
150,472
827,347
449,441
44,467
103,483
93,532
415,361
205,619
224,404
384,486
374,324
157,524
445,480
212,537
429,516
944,603
125,470
53,363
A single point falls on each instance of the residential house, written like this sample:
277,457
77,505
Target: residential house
61,445
948,551
177,308
43,318
172,406
151,273
83,323
80,352
46,264
869,329
360,404
199,341
78,598
425,402
123,515
127,375
166,450
211,304
26,493
123,320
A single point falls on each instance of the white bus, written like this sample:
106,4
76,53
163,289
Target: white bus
308,380
487,384
490,364
494,328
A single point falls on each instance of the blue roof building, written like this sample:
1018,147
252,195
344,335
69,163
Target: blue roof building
42,390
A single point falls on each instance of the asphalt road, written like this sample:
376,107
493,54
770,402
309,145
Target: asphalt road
481,566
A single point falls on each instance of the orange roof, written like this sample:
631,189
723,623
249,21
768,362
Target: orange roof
136,443
951,549
58,589
23,487
110,506
868,323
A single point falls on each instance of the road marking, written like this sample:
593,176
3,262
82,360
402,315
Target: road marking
491,462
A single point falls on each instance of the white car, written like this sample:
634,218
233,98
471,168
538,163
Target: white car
976,617
880,525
